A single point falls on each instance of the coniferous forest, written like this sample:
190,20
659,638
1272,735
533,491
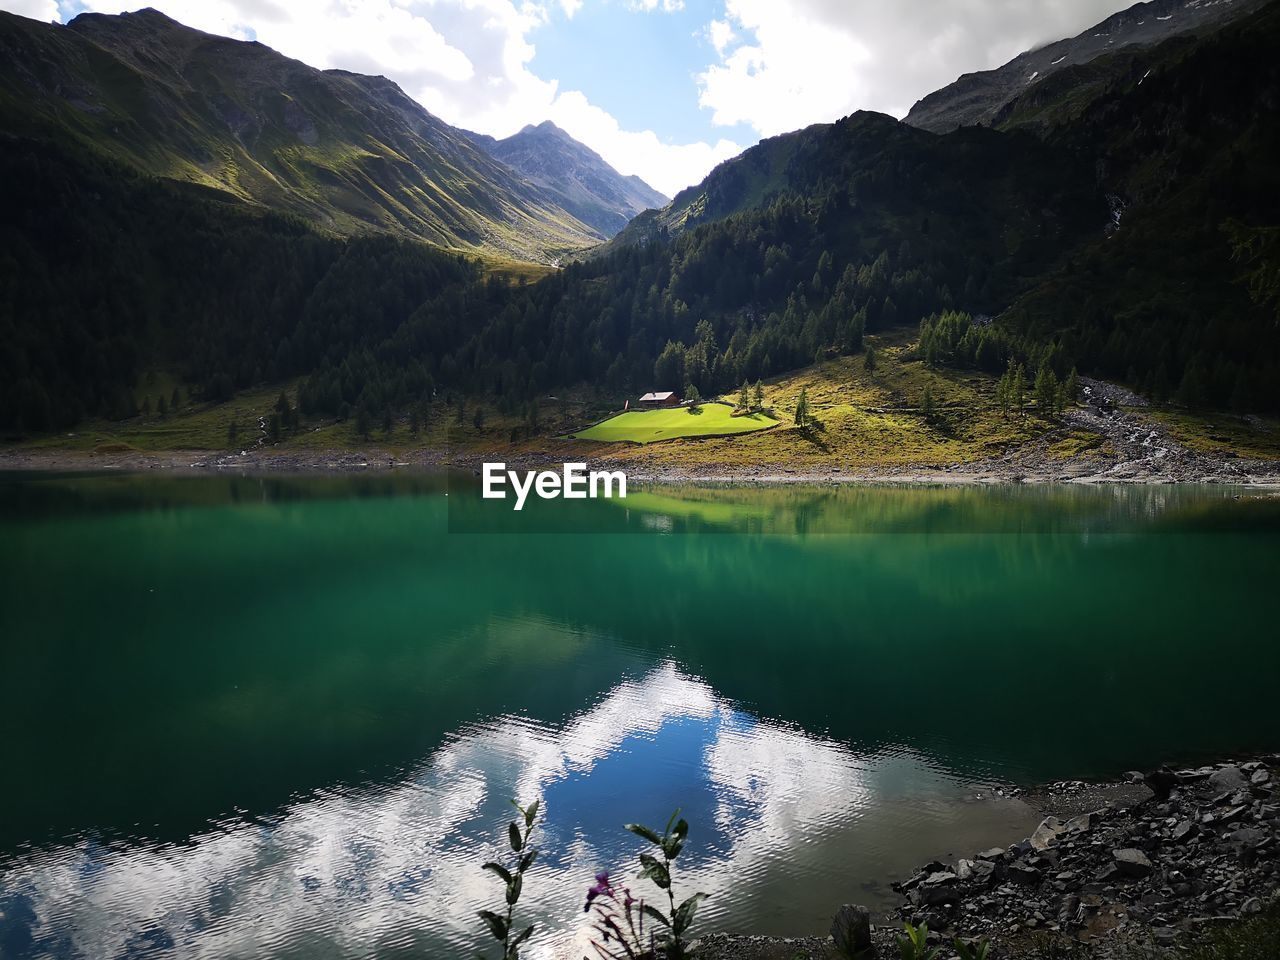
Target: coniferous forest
1123,227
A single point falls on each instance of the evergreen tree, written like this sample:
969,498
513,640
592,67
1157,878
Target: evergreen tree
1046,390
744,397
757,396
364,422
692,395
162,407
802,408
870,360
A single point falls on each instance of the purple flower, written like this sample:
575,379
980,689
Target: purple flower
600,888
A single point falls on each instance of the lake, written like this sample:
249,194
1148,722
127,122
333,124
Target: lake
282,717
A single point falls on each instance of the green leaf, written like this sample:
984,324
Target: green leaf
513,888
531,814
525,934
497,924
527,860
500,870
655,914
684,914
655,871
671,822
513,834
645,832
673,843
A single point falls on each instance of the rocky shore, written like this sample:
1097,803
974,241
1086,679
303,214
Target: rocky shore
1148,865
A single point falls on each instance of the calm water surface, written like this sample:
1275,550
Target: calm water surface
282,718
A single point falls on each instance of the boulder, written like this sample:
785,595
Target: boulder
1131,862
851,931
1046,835
1228,779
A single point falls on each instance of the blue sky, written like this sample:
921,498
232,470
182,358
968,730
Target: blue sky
640,67
665,89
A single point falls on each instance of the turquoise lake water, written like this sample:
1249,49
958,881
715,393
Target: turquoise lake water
282,717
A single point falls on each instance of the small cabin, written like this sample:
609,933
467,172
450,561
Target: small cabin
664,398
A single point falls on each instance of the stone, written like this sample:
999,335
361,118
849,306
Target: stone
1184,831
1251,906
1020,873
1047,834
1260,777
1082,824
851,930
995,853
1228,778
1132,862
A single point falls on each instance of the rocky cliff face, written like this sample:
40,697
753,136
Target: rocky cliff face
975,98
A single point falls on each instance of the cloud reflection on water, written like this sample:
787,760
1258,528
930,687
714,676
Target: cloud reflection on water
776,813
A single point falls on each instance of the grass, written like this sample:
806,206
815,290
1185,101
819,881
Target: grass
867,419
1224,433
650,426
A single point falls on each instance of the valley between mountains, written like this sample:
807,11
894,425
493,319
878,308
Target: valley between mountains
1065,268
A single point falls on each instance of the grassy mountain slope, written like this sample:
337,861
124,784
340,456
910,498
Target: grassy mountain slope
349,153
576,176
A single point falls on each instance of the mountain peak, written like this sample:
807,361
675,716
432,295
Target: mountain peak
546,128
583,181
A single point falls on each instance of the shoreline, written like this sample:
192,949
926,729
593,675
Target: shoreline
1256,474
1116,869
1135,449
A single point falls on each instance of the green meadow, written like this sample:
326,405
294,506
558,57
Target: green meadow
649,426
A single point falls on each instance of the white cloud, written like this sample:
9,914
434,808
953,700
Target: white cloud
648,6
720,34
467,61
810,61
344,871
45,10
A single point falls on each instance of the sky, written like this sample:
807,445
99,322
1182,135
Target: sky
664,89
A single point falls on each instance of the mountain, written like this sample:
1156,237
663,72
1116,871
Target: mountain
575,175
1121,218
975,98
347,152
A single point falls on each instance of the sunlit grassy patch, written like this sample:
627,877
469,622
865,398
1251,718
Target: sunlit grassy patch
649,426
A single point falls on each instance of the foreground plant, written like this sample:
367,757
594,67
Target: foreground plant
915,945
523,856
618,922
679,919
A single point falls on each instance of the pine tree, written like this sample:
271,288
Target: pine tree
1046,390
744,397
870,360
757,396
692,395
802,408
1018,388
1071,388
